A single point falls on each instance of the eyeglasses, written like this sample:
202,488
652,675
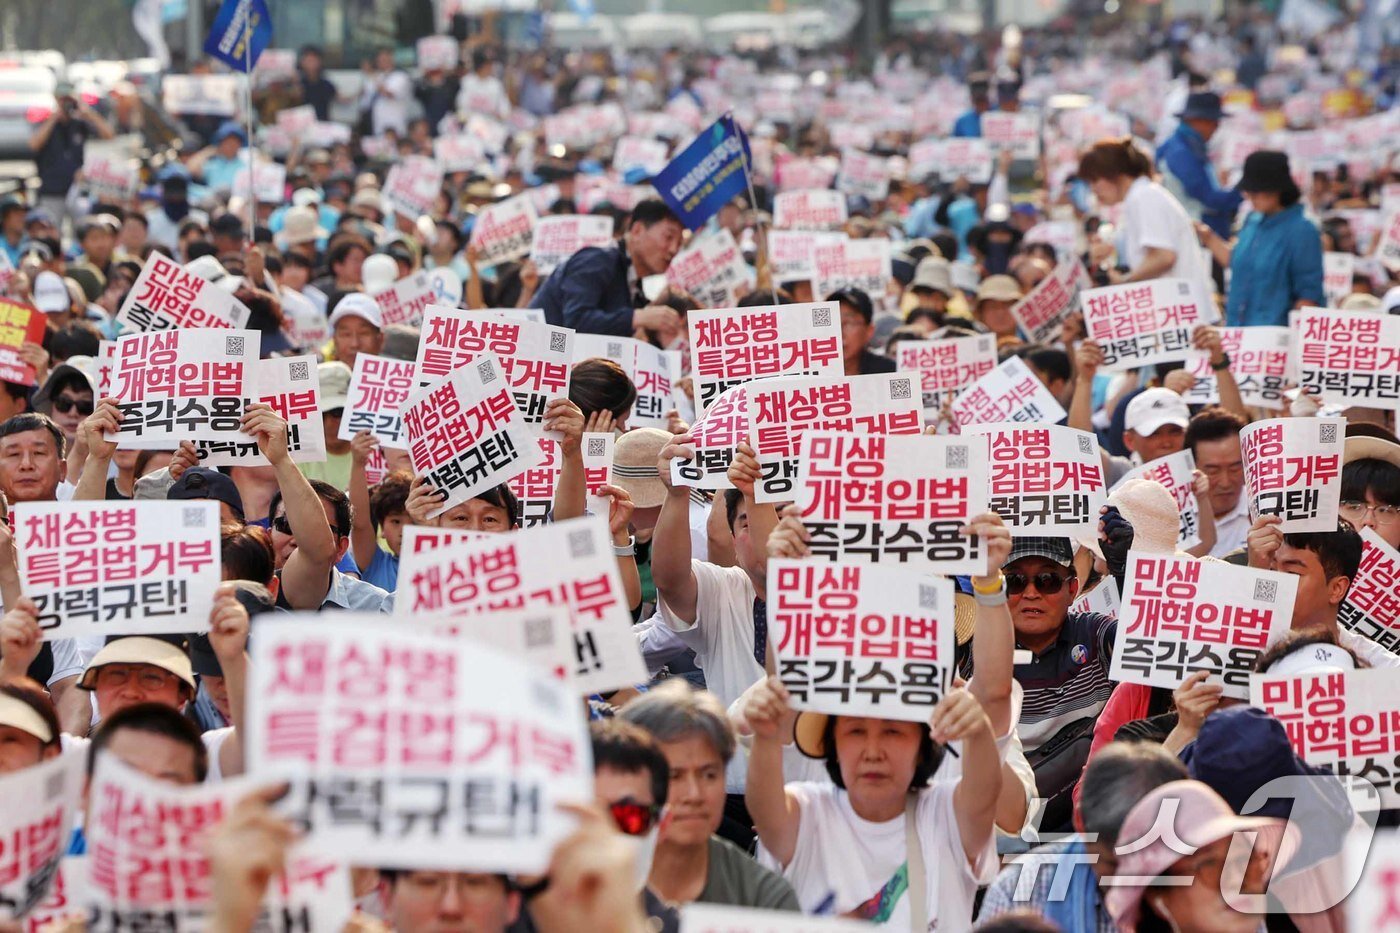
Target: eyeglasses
632,818
280,524
150,679
1045,583
63,405
1356,511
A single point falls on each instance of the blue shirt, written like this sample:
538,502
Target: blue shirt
1276,262
1184,159
220,172
383,570
968,126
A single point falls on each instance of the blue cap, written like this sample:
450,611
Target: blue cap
173,171
590,167
636,176
229,128
39,215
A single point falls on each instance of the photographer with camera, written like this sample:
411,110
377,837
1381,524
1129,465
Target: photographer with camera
57,144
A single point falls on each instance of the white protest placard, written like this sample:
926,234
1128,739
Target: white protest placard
1011,392
1350,358
568,563
506,746
732,346
1042,312
459,153
559,236
296,121
1063,235
715,435
291,386
636,152
1102,599
166,296
809,209
1388,242
407,299
538,635
200,95
109,179
1142,323
1018,132
437,53
41,802
269,183
176,385
1347,722
863,175
971,158
535,358
327,134
714,918
790,254
652,370
862,264
120,567
534,489
1174,471
781,411
847,136
502,231
1371,608
894,499
1337,272
412,186
1181,615
465,433
946,367
855,639
447,286
804,174
275,65
1258,361
1045,479
711,268
1293,469
379,385
420,538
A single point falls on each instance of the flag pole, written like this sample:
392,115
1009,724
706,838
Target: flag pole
248,116
767,264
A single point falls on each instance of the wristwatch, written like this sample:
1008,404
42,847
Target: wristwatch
1223,365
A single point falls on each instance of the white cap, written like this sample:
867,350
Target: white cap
357,304
50,294
1153,409
379,272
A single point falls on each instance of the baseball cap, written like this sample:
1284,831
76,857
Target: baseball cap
999,288
227,224
357,304
85,366
50,294
140,649
933,273
12,202
1057,549
1153,409
335,384
18,714
204,483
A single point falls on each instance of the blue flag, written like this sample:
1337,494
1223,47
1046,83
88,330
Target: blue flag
707,175
231,29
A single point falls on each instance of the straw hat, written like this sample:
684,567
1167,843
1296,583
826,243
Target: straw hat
1152,511
635,466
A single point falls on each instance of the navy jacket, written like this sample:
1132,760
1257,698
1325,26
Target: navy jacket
1185,165
589,293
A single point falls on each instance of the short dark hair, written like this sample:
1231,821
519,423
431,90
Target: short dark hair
293,258
930,756
858,300
144,457
1212,424
503,497
1380,478
765,297
76,338
390,496
627,747
1114,158
651,211
154,719
1120,775
33,421
36,698
599,384
344,511
339,251
1053,361
733,498
1338,551
246,553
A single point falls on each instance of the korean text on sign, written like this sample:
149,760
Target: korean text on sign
652,370
536,358
731,346
539,635
290,386
406,301
560,236
1181,615
19,324
179,385
809,209
946,367
1043,479
847,263
716,434
503,231
711,268
1142,323
378,387
894,500
1293,469
1258,361
1011,392
781,411
535,488
465,433
1371,608
40,804
861,640
1350,358
1174,471
166,296
569,563
119,568
1042,312
412,185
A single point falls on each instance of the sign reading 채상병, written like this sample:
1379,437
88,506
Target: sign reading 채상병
1142,323
1371,608
1011,392
715,435
1042,312
946,367
1043,479
1349,357
732,346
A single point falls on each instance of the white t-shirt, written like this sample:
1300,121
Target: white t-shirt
1152,218
1009,750
1232,529
848,863
485,96
1365,649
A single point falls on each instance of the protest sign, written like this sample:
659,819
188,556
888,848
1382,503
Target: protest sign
67,897
863,175
1018,132
41,802
1388,244
652,370
535,488
327,134
406,300
952,159
1337,271
731,346
1011,392
19,324
459,153
7,272
707,174
1349,358
861,640
538,635
809,209
1181,615
1041,313
715,918
536,358
545,197
110,179
374,403
559,236
790,254
289,384
447,286
1345,721
1102,599
1044,479
715,433
946,367
1258,361
1063,235
420,538
200,95
502,750
849,136
635,152
412,186
1373,905
437,53
166,296
119,567
147,867
895,499
712,269
568,563
1174,471
296,121
177,385
269,183
1371,608
847,263
1293,469
275,65
503,230
465,433
781,411
800,174
240,31
1142,323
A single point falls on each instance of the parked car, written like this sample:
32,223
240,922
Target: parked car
26,100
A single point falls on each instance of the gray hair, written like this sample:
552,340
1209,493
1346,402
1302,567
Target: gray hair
1120,775
673,712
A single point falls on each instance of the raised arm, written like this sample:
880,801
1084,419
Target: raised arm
363,540
744,473
92,483
777,815
571,491
1087,360
959,717
228,636
306,576
670,542
1207,338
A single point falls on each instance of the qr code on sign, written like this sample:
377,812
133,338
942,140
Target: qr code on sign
299,372
1086,444
821,317
233,346
928,597
956,458
1327,433
1183,288
558,342
580,544
901,388
597,446
192,517
486,371
1265,591
539,632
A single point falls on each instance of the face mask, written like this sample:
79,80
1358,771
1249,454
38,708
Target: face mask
998,257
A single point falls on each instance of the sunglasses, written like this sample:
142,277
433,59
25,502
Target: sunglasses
281,524
1045,583
632,818
64,405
